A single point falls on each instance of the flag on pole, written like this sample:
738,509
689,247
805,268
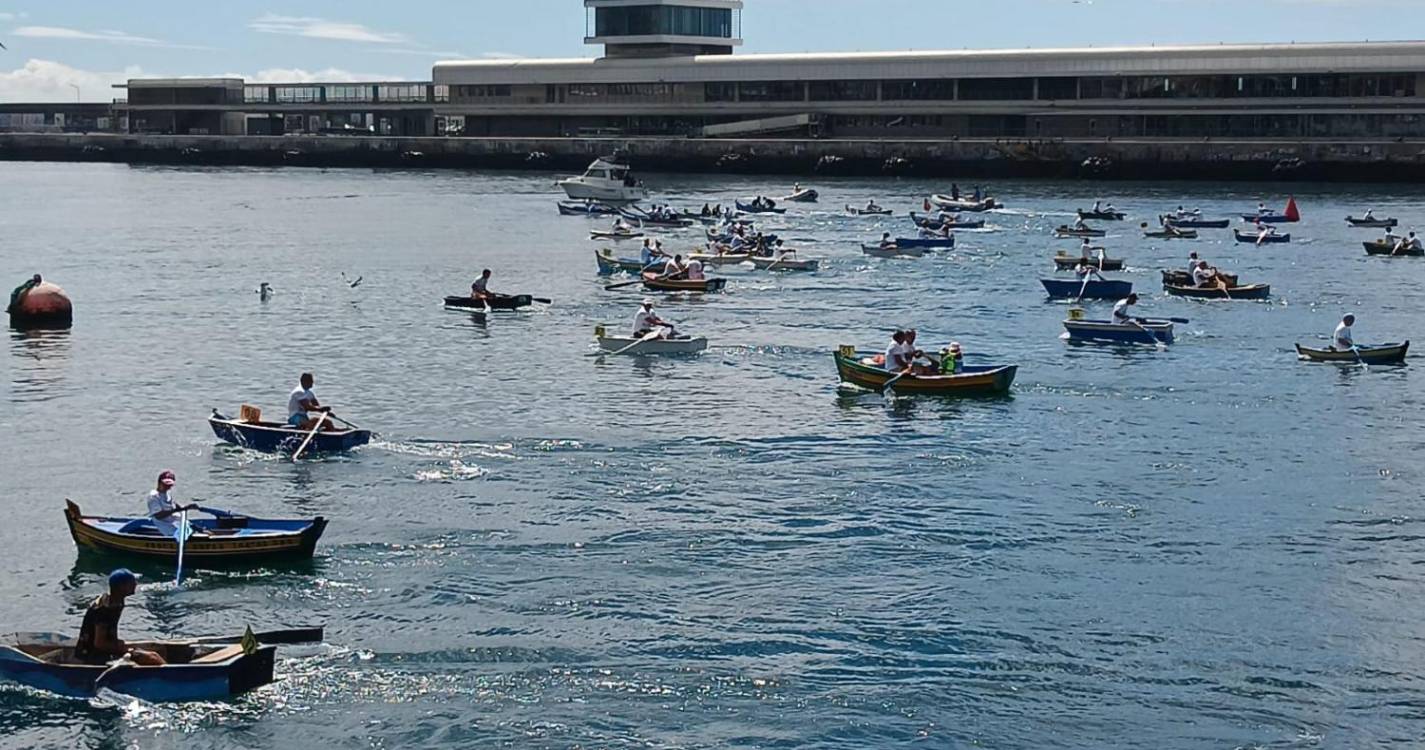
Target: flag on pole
249,641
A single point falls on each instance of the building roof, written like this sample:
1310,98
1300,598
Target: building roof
1218,59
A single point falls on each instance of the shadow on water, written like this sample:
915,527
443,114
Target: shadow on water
41,359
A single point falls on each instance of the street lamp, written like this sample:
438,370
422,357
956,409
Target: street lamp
77,96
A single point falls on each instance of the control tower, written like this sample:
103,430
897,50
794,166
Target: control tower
664,28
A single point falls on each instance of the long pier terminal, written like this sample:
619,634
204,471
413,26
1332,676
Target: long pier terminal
669,87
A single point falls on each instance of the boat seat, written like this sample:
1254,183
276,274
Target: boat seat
219,656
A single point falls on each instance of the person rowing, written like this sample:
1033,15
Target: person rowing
99,643
622,227
954,192
480,289
886,242
1341,338
1097,207
1079,225
645,322
675,268
650,256
1123,310
161,507
919,362
1369,215
1086,248
1204,276
871,206
1407,244
898,354
1085,271
1262,210
694,270
1264,231
302,402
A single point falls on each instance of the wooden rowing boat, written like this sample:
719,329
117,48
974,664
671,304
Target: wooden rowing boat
856,368
974,206
1107,331
926,222
748,208
1384,354
1373,223
223,539
1381,247
586,209
805,195
1102,215
495,302
892,251
1248,292
681,345
1185,223
720,259
657,283
1094,289
1252,239
766,263
610,264
1064,261
940,243
1065,230
868,211
195,671
272,437
1174,233
615,236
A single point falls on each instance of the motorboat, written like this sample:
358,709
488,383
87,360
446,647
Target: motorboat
606,181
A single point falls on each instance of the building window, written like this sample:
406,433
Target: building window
348,93
996,89
650,20
483,92
842,91
252,94
441,93
937,89
1051,89
1100,88
298,94
406,92
720,92
771,91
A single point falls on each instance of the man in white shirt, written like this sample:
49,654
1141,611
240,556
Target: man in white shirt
645,322
301,401
897,357
161,507
1203,276
1341,338
481,288
695,270
1123,310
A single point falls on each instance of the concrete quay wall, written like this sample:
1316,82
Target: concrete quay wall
1136,158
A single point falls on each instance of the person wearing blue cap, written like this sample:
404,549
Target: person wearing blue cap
99,641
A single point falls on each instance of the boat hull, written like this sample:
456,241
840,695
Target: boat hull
925,222
1095,289
1248,292
615,236
586,209
233,675
1252,239
610,264
1102,215
579,190
973,381
1181,234
1269,219
1388,248
927,242
1068,262
1373,223
748,208
785,264
876,251
654,347
268,437
1386,354
1066,231
242,540
1183,278
1198,223
804,196
497,302
708,286
974,206
1108,332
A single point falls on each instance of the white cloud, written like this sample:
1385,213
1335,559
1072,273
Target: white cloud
298,75
321,28
49,81
433,54
105,35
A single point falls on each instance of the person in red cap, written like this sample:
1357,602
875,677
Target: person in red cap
161,507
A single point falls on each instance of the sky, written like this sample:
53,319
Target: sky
57,45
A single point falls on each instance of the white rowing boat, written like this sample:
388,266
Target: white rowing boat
639,347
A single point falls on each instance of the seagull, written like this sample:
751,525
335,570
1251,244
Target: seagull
350,283
265,291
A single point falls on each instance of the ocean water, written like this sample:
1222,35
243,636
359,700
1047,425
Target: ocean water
1213,545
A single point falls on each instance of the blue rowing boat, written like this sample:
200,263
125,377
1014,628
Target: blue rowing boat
926,242
271,437
609,264
586,209
1248,238
1094,289
195,671
225,538
1106,331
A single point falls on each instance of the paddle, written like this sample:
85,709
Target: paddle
1359,360
543,300
1084,287
886,386
1152,338
651,335
343,421
778,261
1180,321
124,661
315,429
271,637
1223,286
182,533
639,280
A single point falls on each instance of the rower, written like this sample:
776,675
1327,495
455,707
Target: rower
1407,244
675,268
954,192
1097,207
301,401
1262,209
161,506
1123,310
1204,276
897,354
480,289
886,242
919,362
264,291
707,210
1192,261
871,205
1341,337
695,270
645,322
1370,214
1079,225
1110,208
1083,269
99,642
648,256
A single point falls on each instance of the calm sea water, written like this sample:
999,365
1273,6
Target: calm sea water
1210,546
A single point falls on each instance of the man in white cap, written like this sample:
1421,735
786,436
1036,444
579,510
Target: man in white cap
645,322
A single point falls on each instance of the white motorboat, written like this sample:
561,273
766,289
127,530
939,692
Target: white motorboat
605,181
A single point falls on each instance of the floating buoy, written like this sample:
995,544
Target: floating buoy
40,304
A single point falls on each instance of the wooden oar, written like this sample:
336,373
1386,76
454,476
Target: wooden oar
343,421
639,280
183,531
886,386
778,261
1359,359
543,300
288,636
1152,338
646,337
1084,287
320,421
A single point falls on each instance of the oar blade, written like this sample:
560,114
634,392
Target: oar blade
288,636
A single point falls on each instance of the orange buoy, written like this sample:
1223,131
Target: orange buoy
39,304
